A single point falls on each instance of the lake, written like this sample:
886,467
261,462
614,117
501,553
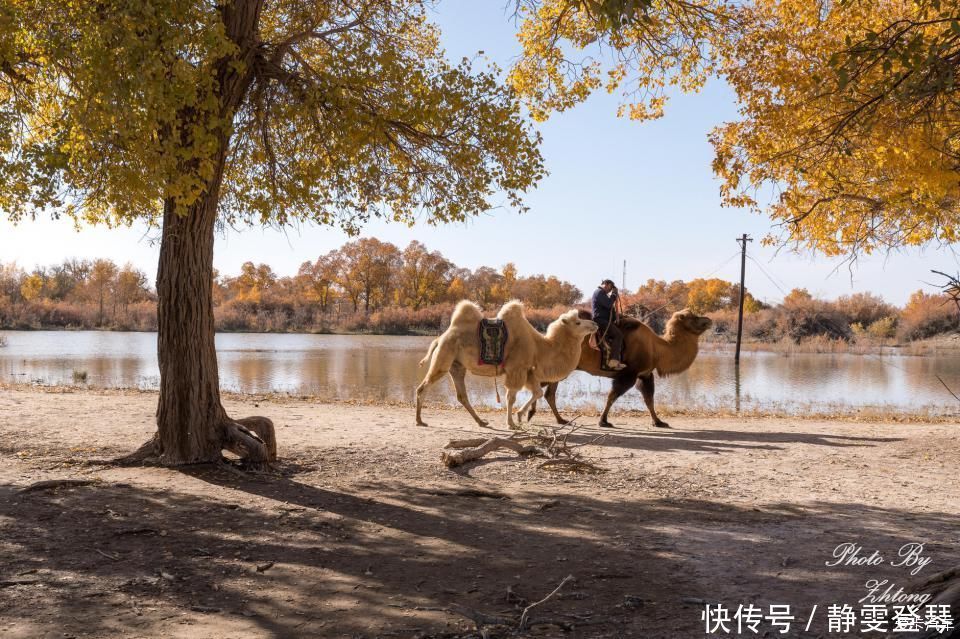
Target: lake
368,367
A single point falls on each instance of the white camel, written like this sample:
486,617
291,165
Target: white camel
532,359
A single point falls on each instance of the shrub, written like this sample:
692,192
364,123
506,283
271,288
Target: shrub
864,308
802,316
928,315
883,328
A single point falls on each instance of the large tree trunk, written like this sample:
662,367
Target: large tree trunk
192,425
190,418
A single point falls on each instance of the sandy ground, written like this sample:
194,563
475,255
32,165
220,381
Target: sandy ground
363,533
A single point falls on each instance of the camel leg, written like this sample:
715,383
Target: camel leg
459,375
439,366
646,386
619,386
511,400
514,382
533,409
551,396
536,393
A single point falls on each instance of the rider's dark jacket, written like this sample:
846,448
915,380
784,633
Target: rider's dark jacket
603,306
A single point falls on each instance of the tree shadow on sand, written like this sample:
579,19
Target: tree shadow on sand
279,557
708,440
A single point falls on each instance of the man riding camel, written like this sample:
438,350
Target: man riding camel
605,315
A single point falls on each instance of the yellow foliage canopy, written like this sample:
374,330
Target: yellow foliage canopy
838,122
327,111
847,134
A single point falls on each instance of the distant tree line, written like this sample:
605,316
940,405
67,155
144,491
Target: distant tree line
799,316
365,285
372,286
76,294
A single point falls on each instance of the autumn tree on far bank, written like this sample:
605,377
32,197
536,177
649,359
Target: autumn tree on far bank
191,114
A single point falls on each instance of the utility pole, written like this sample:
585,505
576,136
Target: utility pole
623,280
742,241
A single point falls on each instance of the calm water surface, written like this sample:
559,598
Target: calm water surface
385,368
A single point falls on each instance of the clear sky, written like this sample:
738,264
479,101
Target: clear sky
617,190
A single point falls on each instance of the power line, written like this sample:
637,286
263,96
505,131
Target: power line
769,277
722,264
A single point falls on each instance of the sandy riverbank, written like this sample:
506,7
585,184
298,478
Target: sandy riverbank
365,533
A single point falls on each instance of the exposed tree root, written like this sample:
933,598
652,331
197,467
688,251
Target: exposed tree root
253,439
943,588
550,443
145,455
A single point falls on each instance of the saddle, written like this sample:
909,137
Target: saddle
493,341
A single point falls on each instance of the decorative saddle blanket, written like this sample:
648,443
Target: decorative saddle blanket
493,341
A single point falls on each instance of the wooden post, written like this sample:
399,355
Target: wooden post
742,241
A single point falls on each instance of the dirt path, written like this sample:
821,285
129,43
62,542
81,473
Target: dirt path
366,534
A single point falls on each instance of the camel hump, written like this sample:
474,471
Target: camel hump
512,310
466,311
628,323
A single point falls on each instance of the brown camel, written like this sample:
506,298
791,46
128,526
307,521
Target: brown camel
644,352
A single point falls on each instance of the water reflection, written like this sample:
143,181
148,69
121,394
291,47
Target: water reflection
385,368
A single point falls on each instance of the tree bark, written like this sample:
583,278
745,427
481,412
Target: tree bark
192,425
190,418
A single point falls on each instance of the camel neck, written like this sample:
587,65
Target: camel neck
677,349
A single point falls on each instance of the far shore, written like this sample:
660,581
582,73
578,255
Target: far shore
940,344
586,416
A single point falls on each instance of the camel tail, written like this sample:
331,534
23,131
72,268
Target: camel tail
433,347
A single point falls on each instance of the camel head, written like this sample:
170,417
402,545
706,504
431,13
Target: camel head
689,322
573,323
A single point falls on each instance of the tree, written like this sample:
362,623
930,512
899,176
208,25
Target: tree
103,275
502,289
318,278
424,276
847,110
483,284
797,297
252,282
131,286
191,114
32,287
366,269
640,46
708,295
849,113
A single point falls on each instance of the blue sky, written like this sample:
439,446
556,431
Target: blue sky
617,190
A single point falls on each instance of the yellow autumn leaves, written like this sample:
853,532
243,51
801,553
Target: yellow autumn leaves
327,111
848,136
